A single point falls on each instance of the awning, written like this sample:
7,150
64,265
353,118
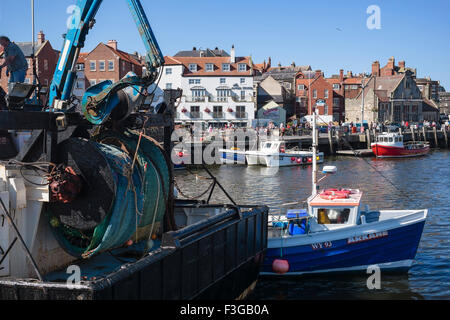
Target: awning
223,88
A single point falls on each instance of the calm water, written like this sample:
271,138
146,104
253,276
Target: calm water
416,183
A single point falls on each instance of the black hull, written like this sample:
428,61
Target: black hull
216,259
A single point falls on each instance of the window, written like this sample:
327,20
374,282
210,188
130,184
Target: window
240,112
27,80
79,84
168,70
45,64
209,67
354,87
195,112
192,67
326,94
198,81
101,65
217,112
333,216
191,81
46,82
301,87
123,66
225,67
242,95
80,67
168,86
223,80
93,82
336,103
132,67
242,67
111,65
315,94
93,65
336,86
242,80
223,94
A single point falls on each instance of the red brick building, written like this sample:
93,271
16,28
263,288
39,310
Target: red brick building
107,62
311,87
46,60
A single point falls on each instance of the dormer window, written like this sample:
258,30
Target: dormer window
209,67
301,87
336,86
226,67
193,67
242,67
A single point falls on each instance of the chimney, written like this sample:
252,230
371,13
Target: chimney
341,75
391,63
349,74
41,37
402,64
318,73
194,49
293,64
269,63
112,44
376,68
233,55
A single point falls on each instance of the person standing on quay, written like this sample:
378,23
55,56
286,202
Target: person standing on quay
14,61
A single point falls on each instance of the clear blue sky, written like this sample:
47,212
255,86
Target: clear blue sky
328,35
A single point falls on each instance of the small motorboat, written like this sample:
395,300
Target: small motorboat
272,153
391,145
336,233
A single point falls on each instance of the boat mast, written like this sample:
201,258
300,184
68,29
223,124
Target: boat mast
314,143
314,150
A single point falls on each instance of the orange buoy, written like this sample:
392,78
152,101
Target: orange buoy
280,266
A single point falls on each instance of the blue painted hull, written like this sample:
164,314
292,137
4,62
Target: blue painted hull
398,245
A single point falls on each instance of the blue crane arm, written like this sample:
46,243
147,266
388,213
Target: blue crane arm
82,21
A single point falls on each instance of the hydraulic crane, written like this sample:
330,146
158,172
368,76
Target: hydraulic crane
100,100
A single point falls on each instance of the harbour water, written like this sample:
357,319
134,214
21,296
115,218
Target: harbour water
410,183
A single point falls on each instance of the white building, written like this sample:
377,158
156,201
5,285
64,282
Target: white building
217,87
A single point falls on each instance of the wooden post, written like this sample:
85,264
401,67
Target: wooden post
369,140
445,136
436,142
330,140
424,134
413,134
400,131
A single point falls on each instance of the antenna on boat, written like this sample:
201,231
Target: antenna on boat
314,149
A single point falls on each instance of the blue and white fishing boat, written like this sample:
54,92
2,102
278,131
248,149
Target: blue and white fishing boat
336,233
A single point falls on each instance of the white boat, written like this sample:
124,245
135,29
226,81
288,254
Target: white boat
272,153
336,233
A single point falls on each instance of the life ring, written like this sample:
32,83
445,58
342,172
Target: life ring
305,159
333,194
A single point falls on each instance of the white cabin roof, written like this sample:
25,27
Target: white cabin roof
353,200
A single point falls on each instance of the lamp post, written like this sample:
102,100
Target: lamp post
363,86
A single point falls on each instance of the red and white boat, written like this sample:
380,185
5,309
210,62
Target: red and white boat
390,145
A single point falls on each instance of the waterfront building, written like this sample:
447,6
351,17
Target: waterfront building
107,62
444,102
217,87
283,92
429,88
312,88
393,98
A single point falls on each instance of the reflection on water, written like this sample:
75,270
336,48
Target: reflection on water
415,183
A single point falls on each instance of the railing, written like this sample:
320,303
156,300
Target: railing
241,115
218,115
196,99
195,115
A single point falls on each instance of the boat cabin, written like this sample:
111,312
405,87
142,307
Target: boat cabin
273,146
393,139
334,209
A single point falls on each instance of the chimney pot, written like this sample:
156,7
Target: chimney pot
41,37
112,44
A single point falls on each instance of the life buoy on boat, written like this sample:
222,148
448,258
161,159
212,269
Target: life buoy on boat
333,194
